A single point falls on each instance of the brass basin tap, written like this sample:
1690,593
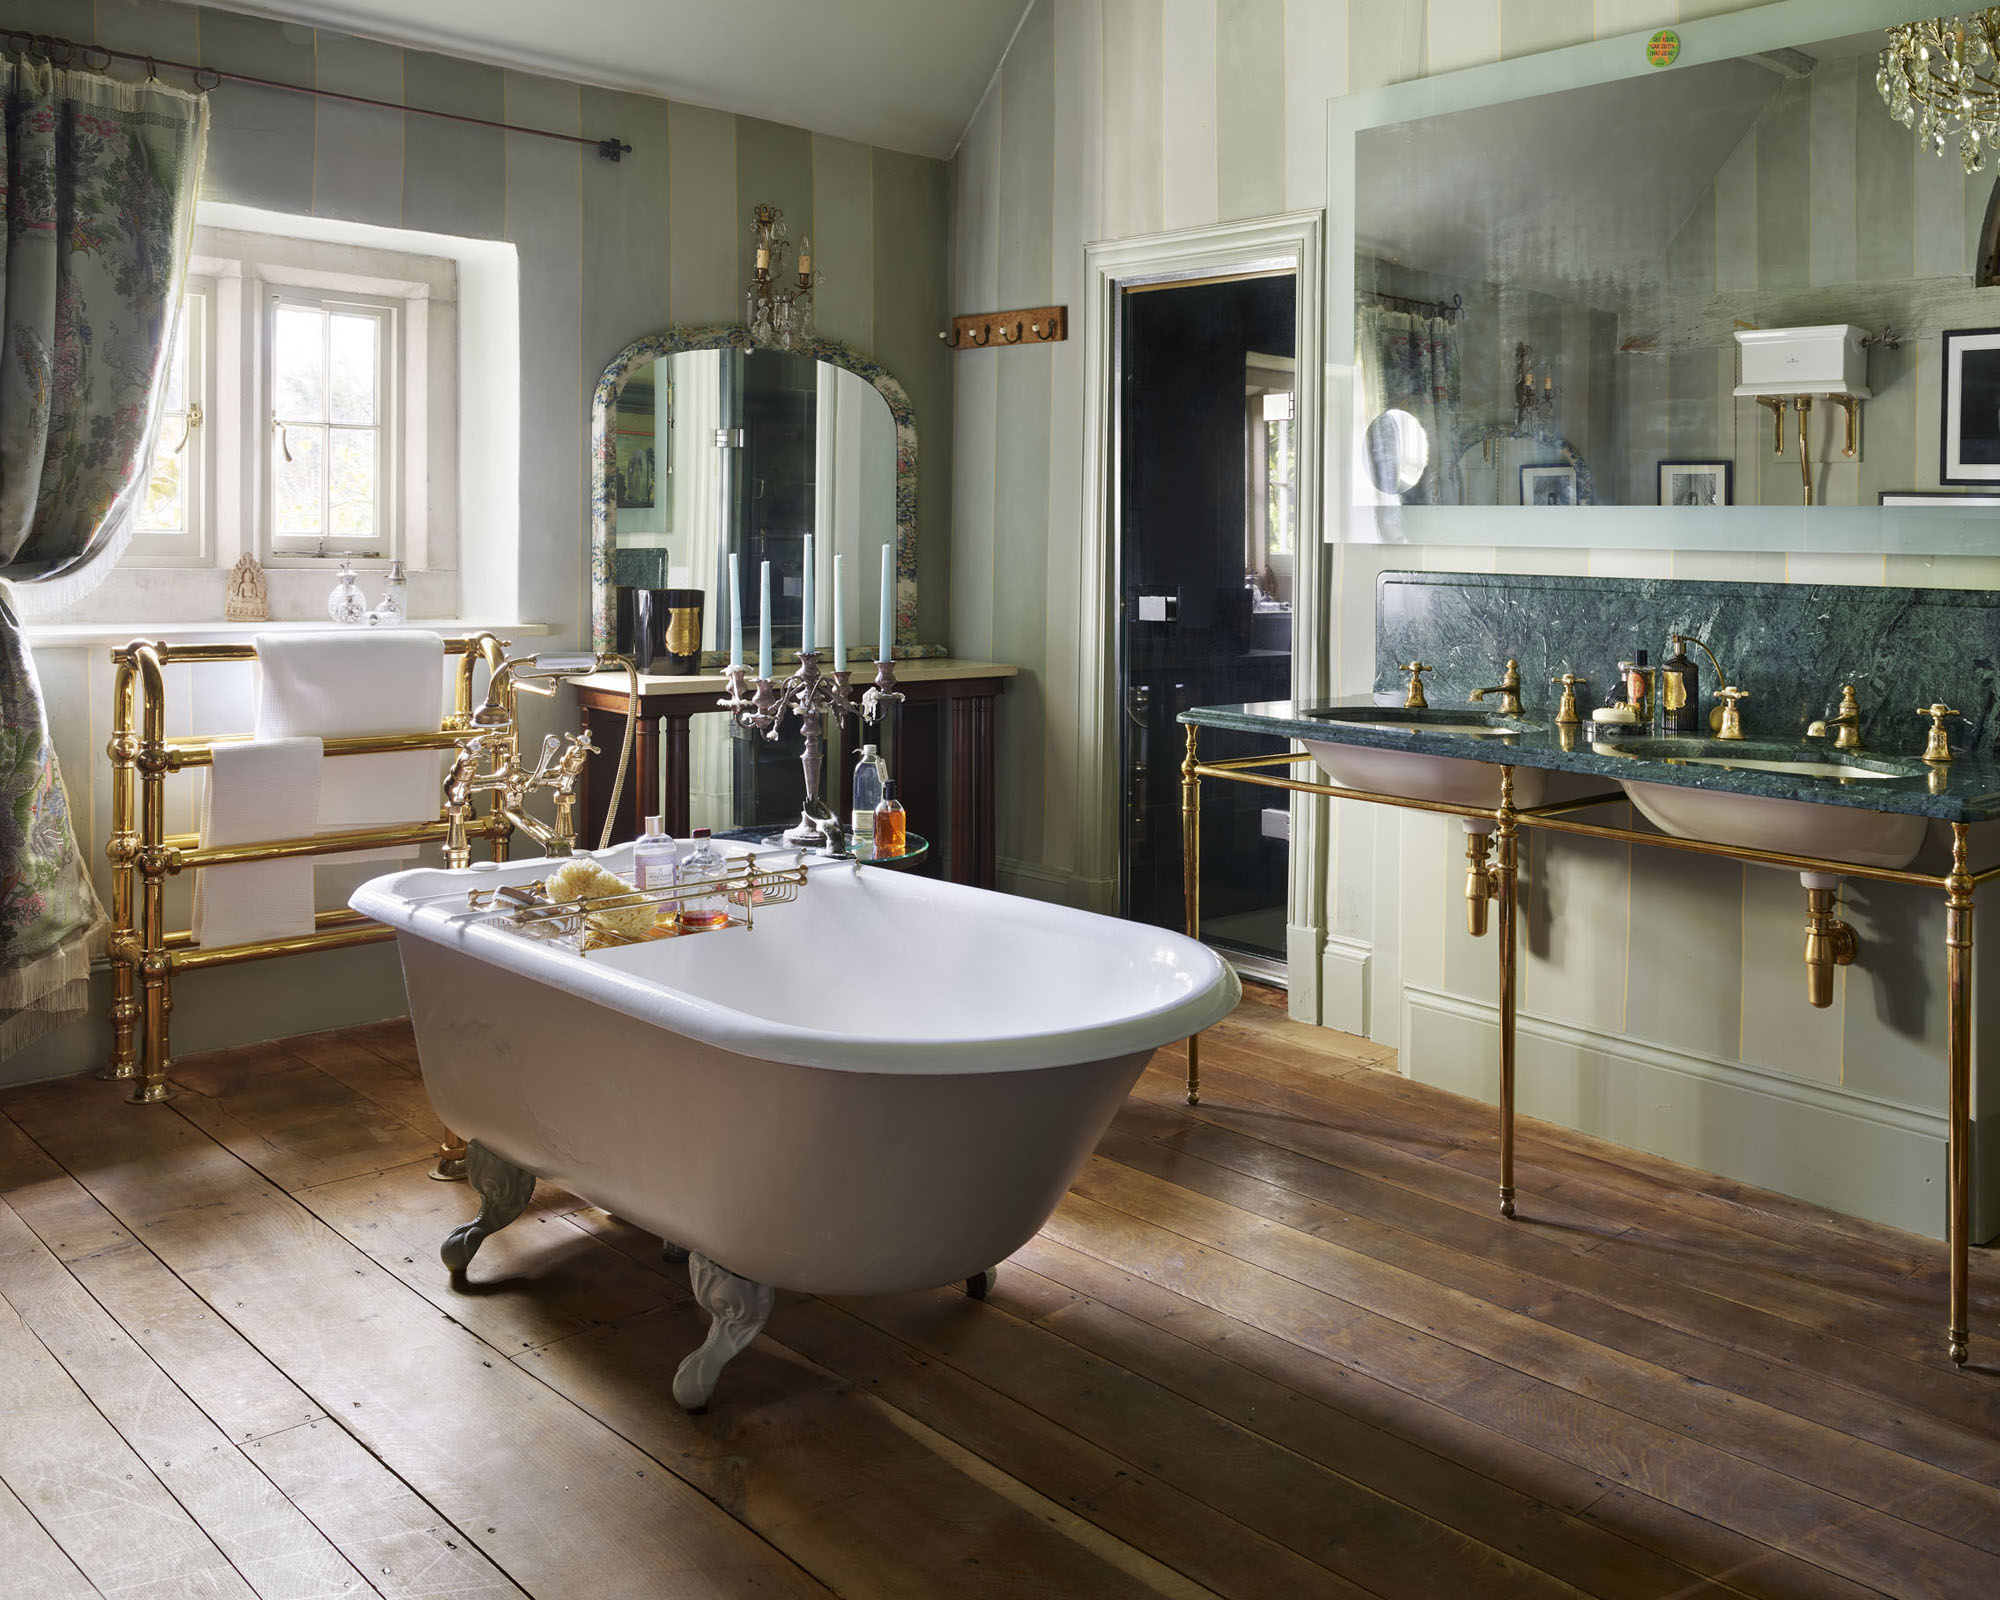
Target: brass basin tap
1414,699
1937,749
1732,714
1508,689
1566,714
1845,724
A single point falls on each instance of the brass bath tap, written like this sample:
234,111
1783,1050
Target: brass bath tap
1845,724
1508,689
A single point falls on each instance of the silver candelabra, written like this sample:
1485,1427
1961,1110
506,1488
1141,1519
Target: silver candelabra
760,704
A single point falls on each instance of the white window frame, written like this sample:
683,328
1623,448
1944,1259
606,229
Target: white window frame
390,315
194,546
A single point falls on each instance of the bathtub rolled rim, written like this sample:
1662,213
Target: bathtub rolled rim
1208,991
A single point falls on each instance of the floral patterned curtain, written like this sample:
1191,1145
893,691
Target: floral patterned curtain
1411,364
97,183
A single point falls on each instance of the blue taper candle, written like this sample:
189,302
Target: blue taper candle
806,614
839,621
884,640
735,612
764,628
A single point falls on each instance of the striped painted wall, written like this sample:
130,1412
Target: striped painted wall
608,252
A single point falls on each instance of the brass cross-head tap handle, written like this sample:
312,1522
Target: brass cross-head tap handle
1937,749
1732,714
1566,716
1414,700
1508,689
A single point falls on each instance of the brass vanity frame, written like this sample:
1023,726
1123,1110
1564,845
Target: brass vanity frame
144,955
1958,887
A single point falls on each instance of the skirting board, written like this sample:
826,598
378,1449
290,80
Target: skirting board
1033,881
1343,984
1862,1156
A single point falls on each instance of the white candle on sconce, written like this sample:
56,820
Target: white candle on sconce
806,614
735,612
839,621
805,258
885,638
764,628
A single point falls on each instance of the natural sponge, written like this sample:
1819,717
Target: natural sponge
586,880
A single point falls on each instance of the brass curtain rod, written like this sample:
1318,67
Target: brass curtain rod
1453,308
206,78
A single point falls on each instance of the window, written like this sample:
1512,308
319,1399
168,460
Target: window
173,525
333,444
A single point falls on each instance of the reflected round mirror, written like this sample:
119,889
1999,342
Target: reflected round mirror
1398,452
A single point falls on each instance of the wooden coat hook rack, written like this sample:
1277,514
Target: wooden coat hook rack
990,329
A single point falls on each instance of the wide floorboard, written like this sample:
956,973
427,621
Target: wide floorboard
1280,1344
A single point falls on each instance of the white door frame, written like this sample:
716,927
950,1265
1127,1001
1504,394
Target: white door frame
1292,241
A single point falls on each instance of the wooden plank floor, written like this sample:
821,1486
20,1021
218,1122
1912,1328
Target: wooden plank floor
1278,1345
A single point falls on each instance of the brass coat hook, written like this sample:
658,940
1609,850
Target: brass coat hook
1046,324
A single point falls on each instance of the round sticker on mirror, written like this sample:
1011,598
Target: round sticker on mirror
1663,49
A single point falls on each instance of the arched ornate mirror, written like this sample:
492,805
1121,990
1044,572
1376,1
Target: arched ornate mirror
704,446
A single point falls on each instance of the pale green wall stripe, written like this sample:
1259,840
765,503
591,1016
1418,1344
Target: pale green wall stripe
454,175
1020,611
1736,217
1133,118
1978,192
1629,16
1889,423
1783,178
975,378
1938,203
1461,33
625,211
1834,106
358,151
844,240
1250,107
257,47
1315,71
1780,1031
1027,163
1527,26
774,167
1885,174
1188,68
260,146
151,27
701,215
1385,43
911,210
1684,962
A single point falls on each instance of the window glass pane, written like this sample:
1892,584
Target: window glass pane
163,509
298,364
356,372
352,484
177,364
299,485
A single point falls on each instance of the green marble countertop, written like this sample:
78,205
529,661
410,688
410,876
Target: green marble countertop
1968,790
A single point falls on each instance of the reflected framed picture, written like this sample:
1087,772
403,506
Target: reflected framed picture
1939,499
1550,485
1696,483
1971,431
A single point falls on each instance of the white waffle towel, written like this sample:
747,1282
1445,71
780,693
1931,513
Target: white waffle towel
342,684
265,789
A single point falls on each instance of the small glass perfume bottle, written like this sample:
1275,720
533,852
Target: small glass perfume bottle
705,864
655,858
889,823
346,605
870,773
394,609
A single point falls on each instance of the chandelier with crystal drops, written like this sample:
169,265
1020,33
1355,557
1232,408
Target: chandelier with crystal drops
1942,78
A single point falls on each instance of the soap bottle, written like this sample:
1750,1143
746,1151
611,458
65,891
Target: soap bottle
704,864
889,829
655,858
1680,691
870,773
1638,688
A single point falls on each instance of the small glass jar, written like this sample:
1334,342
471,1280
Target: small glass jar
346,605
395,607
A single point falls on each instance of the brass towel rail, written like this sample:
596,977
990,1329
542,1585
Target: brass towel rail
144,954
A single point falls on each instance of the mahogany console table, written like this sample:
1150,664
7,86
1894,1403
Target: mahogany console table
943,755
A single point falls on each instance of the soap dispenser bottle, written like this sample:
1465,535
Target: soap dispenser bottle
870,774
655,858
1680,691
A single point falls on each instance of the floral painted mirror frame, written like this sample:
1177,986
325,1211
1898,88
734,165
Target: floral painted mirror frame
641,353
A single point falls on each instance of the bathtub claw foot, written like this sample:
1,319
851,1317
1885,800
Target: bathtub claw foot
503,1191
737,1310
980,1282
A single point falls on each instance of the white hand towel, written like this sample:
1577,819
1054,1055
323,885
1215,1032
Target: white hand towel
266,789
339,685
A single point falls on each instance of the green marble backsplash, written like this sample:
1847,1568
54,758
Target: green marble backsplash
1791,645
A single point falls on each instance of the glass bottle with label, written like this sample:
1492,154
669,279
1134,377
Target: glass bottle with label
704,864
889,823
870,773
655,858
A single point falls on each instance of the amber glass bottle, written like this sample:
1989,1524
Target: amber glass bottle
889,833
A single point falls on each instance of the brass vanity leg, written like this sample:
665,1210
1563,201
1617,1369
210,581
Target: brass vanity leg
1507,860
1958,957
1191,885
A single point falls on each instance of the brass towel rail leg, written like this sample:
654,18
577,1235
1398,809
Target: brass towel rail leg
1191,884
123,853
151,1086
1506,850
1958,1158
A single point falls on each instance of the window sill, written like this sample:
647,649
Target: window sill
84,635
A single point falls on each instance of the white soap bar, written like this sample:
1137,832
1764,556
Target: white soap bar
1618,714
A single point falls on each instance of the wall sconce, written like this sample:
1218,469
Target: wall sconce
1534,404
778,316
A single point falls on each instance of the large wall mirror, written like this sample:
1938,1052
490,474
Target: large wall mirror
1542,265
704,446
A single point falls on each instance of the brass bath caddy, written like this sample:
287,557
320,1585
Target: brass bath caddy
744,887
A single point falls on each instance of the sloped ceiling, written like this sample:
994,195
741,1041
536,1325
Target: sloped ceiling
904,74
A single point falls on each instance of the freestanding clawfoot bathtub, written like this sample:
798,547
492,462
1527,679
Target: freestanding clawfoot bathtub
885,1085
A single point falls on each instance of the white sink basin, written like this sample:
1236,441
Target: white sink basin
1419,775
1765,822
